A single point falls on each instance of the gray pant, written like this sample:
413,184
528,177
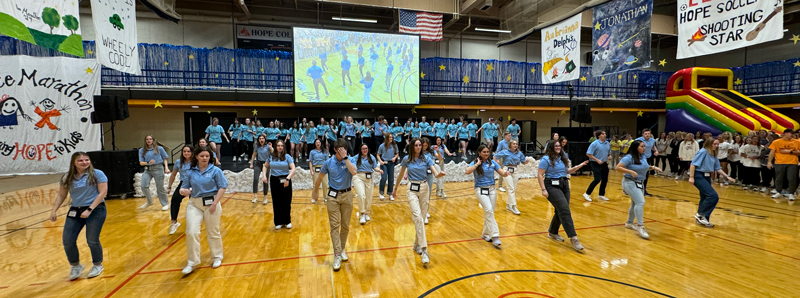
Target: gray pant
257,166
637,200
790,173
154,172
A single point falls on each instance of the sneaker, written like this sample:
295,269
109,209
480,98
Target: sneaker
426,220
587,197
427,215
254,200
555,237
425,258
75,272
381,197
444,195
487,238
705,224
678,177
313,201
745,188
289,226
391,198
496,242
216,263
266,200
344,256
145,205
165,208
337,263
642,232
576,244
367,217
776,195
417,249
95,272
773,191
186,270
790,197
501,189
362,220
701,219
513,209
763,189
173,227
629,225
278,227
648,194
603,198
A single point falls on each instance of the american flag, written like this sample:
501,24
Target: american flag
427,25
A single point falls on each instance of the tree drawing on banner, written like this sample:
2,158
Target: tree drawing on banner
71,23
51,18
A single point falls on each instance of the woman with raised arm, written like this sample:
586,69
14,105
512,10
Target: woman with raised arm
512,158
554,183
153,157
483,169
261,153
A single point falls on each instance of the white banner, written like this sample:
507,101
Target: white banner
715,26
263,33
115,27
45,107
53,24
561,57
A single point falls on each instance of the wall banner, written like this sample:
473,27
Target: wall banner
115,27
561,57
45,108
53,24
621,36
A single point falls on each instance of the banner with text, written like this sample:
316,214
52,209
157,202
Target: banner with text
53,24
115,27
714,26
561,57
621,36
45,107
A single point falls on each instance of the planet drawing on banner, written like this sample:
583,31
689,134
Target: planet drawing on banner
621,36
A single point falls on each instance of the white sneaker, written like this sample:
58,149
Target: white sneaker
145,205
278,227
587,197
254,200
773,191
496,242
763,189
216,263
444,195
391,198
678,177
186,270
501,189
425,258
173,227
266,200
75,272
417,249
367,217
513,209
344,257
313,201
426,221
487,238
289,226
427,215
95,272
603,198
362,219
790,197
337,263
642,232
776,195
165,208
629,225
381,197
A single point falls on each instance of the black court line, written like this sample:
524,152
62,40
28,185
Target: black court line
18,219
541,271
25,227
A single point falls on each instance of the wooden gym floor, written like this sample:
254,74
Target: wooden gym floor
753,251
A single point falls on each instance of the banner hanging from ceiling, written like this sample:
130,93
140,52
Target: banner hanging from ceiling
621,36
715,26
53,24
45,107
561,57
115,27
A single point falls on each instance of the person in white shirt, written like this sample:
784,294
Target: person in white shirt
734,156
686,153
750,155
726,140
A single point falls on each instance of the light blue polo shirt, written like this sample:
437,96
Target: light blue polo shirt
350,130
487,178
558,170
648,146
704,162
235,130
502,145
82,193
206,183
511,158
379,129
318,157
280,167
418,169
339,176
640,169
600,150
150,154
385,153
262,152
365,165
182,169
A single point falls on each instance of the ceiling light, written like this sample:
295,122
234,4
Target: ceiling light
195,107
492,30
355,109
483,110
354,20
785,30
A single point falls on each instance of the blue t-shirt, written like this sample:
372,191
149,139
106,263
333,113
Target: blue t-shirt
315,72
463,133
331,131
345,64
424,126
339,177
648,146
489,130
441,129
365,165
323,56
182,169
235,130
387,153
150,154
705,162
215,133
416,132
318,157
296,134
556,171
472,129
511,158
640,169
600,150
259,131
418,169
82,193
271,133
247,133
360,60
389,70
513,129
280,167
366,131
374,56
487,178
262,152
452,129
396,131
311,134
321,130
204,183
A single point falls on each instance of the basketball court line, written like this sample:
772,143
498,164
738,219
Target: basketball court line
725,202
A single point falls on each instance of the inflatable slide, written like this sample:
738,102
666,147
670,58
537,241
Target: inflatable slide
703,99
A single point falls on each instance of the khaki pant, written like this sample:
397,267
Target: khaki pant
439,181
363,191
196,214
339,211
418,203
511,186
324,185
488,203
499,178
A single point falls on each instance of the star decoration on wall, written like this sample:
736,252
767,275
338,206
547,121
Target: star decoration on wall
262,70
442,67
209,112
738,81
466,80
90,52
478,112
413,110
619,77
614,95
795,38
489,67
563,112
508,78
421,74
533,69
191,56
597,26
89,70
158,104
255,112
797,63
602,78
533,112
373,110
277,58
639,114
663,62
634,77
583,79
232,60
166,63
216,75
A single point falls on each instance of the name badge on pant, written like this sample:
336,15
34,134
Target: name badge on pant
706,174
428,171
639,185
333,193
282,181
436,161
317,169
485,191
369,175
555,182
511,170
207,201
349,138
73,212
415,187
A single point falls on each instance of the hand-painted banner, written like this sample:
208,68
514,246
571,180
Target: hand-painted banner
561,57
714,26
115,27
621,36
53,24
45,107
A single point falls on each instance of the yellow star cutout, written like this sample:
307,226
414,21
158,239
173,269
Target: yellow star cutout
255,112
478,112
795,38
89,70
583,79
563,112
191,56
373,110
662,62
166,63
489,67
533,70
232,59
508,78
90,52
466,79
614,95
639,114
602,78
158,104
262,70
797,63
610,112
634,77
277,58
413,110
208,112
619,77
738,81
422,75
442,67
597,26
216,76
533,112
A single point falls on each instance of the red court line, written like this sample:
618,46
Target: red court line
152,260
369,250
3,287
37,284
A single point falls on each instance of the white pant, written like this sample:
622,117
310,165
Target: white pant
363,188
418,203
488,203
196,213
511,186
499,178
439,181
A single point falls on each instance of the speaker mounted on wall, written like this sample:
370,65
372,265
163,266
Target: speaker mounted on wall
108,109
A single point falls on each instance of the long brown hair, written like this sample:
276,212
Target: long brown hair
156,143
211,159
412,148
479,169
427,141
634,152
275,155
709,146
183,160
551,153
72,174
361,155
386,142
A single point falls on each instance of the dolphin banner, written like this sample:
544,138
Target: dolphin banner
561,57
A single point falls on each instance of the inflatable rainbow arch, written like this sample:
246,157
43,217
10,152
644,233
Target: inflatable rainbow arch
703,99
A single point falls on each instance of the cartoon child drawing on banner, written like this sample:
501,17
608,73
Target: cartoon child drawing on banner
49,111
10,109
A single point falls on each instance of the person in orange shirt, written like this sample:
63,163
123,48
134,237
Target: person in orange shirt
785,151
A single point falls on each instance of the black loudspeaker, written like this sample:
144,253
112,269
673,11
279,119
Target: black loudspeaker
120,167
581,113
577,154
108,108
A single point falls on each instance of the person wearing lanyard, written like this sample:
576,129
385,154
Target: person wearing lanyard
332,132
502,145
261,153
554,183
153,156
233,132
214,134
205,184
183,165
397,134
350,136
366,136
379,130
463,139
246,138
514,129
282,170
598,153
452,130
87,187
650,142
308,137
473,137
439,151
316,158
634,167
483,169
387,157
366,165
704,163
418,166
512,158
340,171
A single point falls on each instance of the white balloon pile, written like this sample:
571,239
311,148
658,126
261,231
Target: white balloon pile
243,181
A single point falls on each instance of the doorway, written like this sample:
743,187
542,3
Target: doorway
195,124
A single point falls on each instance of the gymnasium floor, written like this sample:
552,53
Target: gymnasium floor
751,253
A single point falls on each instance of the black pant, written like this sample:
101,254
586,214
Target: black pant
370,143
750,176
377,140
400,147
235,147
351,145
766,176
281,201
559,197
600,172
673,164
735,167
451,144
684,166
650,161
661,161
175,203
257,166
246,147
473,144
